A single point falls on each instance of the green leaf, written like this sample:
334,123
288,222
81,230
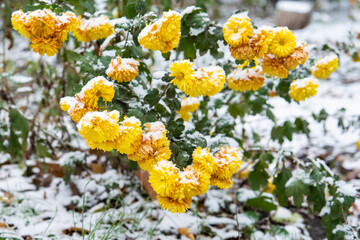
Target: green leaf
166,4
141,7
73,56
258,177
317,196
151,116
270,115
280,181
130,10
302,126
41,150
14,145
153,97
176,128
265,203
175,104
166,78
187,46
297,189
166,56
171,92
18,122
199,21
182,159
237,109
138,114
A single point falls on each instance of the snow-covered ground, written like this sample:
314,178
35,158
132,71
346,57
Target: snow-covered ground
56,210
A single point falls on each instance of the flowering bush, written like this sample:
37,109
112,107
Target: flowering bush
143,93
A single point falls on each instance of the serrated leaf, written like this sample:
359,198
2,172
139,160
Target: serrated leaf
297,189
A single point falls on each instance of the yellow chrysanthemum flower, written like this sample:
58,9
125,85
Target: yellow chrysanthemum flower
130,135
203,160
50,46
238,30
96,88
209,81
94,29
175,205
324,67
261,40
274,67
184,74
355,58
358,145
153,147
227,163
18,20
99,126
162,35
45,29
41,23
244,173
270,187
188,106
123,69
105,145
299,56
220,182
193,182
283,42
243,52
303,88
247,79
164,178
75,107
65,23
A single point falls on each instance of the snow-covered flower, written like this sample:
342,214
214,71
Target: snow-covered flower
96,88
283,42
227,162
153,146
261,40
123,69
164,34
75,107
303,88
130,135
325,66
247,79
100,128
274,67
46,30
188,106
209,81
243,52
203,160
238,30
93,29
